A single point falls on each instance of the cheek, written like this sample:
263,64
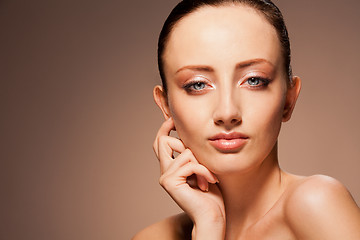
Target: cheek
266,116
190,116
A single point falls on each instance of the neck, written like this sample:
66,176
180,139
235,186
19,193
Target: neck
249,196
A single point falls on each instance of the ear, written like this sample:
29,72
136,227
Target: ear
162,101
291,97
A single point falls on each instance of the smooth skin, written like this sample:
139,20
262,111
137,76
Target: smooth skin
225,74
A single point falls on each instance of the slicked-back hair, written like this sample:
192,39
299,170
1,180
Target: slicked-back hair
266,7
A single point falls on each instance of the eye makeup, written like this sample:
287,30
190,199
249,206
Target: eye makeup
197,85
256,76
254,81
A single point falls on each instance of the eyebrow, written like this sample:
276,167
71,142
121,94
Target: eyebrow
199,68
251,62
244,64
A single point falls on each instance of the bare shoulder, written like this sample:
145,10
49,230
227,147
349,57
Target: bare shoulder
175,227
320,207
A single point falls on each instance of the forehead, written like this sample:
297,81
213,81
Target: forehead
216,35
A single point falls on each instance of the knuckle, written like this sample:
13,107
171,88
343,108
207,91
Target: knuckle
161,180
191,164
187,152
156,143
164,181
188,165
162,139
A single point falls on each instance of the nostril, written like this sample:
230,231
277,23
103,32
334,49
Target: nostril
234,121
219,122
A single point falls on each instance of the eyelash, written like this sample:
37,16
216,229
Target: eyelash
263,82
189,87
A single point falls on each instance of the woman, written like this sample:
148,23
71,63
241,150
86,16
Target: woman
227,88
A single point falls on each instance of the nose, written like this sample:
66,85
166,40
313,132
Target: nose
227,112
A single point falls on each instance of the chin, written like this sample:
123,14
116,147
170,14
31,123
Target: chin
229,163
240,162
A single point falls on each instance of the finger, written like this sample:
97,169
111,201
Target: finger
164,130
198,169
202,183
167,146
197,181
175,180
185,157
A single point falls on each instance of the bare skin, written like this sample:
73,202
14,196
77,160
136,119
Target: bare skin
225,78
296,225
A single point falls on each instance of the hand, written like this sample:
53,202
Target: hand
203,204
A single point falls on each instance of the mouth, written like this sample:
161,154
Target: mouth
228,142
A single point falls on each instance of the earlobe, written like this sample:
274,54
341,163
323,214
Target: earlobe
291,97
161,100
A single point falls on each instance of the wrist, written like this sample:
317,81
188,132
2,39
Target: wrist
209,230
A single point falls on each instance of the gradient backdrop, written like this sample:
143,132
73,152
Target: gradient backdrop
77,119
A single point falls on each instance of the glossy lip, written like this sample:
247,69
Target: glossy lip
228,142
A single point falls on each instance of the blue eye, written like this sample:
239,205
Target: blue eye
199,85
253,81
257,82
195,86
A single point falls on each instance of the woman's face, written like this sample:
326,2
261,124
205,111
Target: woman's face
226,86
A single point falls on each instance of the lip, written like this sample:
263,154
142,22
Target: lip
228,142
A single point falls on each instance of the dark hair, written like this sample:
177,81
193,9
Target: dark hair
185,7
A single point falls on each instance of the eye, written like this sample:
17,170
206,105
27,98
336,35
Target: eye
196,87
199,85
255,82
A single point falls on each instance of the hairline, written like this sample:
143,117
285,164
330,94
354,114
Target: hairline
288,75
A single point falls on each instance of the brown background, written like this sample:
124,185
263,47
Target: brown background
77,117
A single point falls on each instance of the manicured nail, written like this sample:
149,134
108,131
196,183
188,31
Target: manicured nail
207,188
